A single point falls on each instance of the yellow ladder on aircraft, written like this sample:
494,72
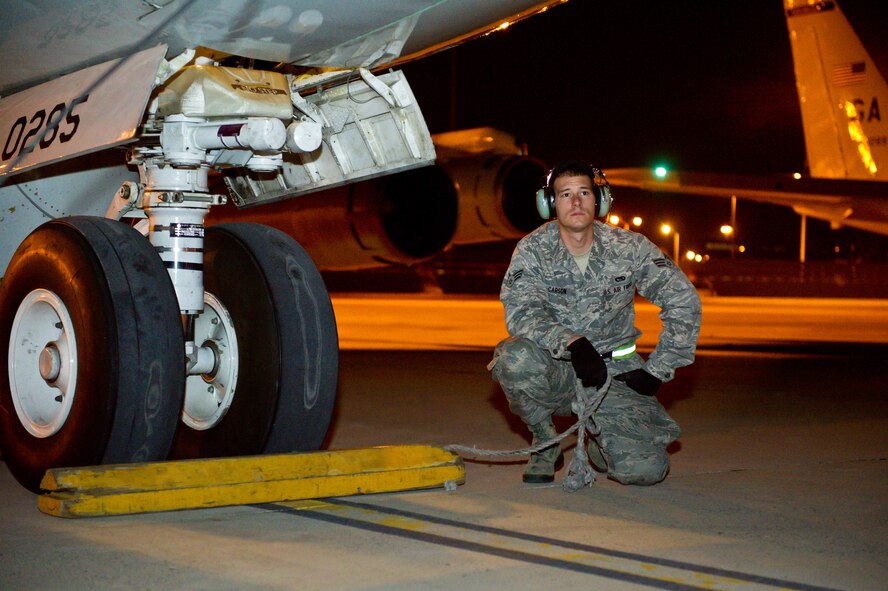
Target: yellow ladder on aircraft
122,489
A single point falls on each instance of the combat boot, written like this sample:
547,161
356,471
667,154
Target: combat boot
596,457
543,464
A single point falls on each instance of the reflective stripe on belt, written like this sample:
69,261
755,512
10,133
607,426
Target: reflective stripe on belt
623,352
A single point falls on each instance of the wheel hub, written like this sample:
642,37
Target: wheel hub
209,390
50,363
42,363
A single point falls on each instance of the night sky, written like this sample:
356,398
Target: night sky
699,86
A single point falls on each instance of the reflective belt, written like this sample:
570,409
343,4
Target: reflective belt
621,352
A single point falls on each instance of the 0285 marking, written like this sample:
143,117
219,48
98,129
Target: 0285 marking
17,138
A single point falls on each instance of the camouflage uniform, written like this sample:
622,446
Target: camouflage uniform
548,301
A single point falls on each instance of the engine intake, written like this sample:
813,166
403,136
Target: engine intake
496,196
403,218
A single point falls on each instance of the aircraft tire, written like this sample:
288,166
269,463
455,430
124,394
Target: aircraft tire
287,345
94,291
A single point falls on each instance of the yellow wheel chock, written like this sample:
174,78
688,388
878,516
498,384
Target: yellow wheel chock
122,489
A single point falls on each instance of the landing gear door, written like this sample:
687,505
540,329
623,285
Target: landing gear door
96,108
372,126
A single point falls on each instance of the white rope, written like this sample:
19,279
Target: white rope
579,472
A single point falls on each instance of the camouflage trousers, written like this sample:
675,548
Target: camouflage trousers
635,429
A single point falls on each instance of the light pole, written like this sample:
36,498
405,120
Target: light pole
667,229
733,223
802,239
728,230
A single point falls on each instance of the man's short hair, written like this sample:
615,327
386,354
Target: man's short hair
569,168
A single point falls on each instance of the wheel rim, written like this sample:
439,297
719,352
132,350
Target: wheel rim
42,363
209,396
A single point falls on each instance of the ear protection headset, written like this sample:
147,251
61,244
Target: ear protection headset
545,197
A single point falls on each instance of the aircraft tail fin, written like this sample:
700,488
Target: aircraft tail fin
840,93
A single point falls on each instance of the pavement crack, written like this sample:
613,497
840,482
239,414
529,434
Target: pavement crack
777,467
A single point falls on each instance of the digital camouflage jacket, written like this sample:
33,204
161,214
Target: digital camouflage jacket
548,300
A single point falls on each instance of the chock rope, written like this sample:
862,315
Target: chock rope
579,472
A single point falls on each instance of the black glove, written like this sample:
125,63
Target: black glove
640,381
587,363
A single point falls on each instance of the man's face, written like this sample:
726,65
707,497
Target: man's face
574,202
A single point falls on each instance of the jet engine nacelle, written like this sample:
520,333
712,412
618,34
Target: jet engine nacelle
496,196
403,218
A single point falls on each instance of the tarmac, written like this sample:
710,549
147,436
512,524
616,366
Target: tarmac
779,481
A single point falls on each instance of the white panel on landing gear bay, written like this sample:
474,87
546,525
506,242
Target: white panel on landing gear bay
102,116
